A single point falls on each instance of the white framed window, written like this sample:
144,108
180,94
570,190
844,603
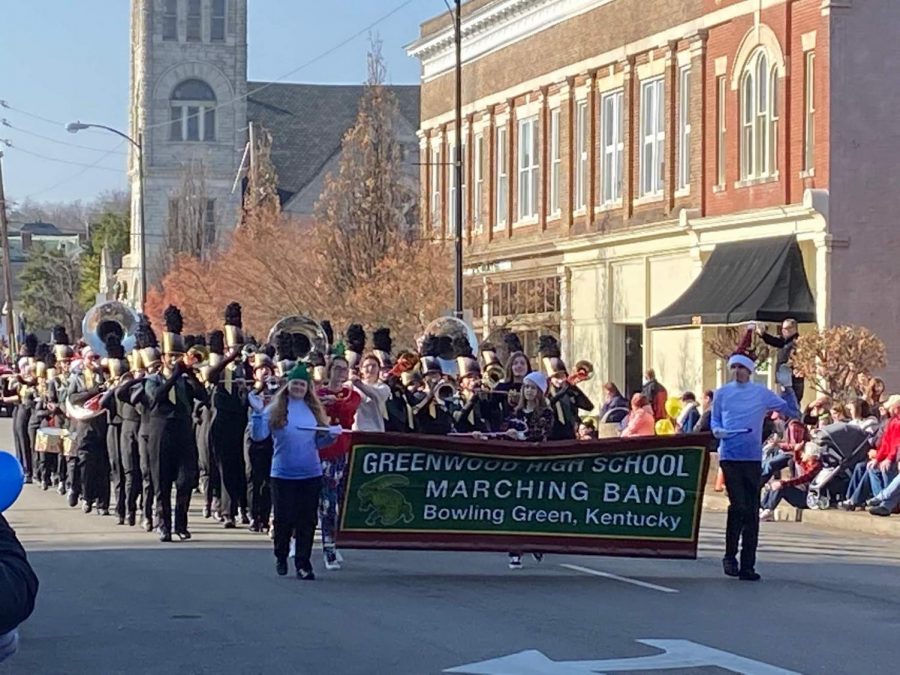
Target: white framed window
581,155
209,222
529,168
759,117
192,112
217,21
502,178
437,169
194,21
463,158
653,137
451,199
809,122
684,128
721,118
613,146
478,182
170,21
555,165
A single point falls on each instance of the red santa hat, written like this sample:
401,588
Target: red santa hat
743,356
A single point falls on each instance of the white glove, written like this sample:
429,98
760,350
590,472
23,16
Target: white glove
335,430
256,401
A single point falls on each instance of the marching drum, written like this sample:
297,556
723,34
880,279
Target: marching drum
50,440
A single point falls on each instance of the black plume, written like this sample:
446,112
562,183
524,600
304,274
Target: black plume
487,347
300,345
143,334
31,344
328,330
431,346
173,319
189,341
200,340
43,352
461,346
316,359
233,315
114,348
50,360
513,343
356,338
548,347
216,340
284,346
381,340
59,335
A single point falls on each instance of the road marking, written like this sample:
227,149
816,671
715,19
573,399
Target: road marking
681,654
616,577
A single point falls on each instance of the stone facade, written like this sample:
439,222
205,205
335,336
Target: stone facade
622,260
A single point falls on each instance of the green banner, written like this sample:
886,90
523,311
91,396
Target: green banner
606,497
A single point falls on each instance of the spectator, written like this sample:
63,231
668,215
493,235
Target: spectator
18,588
816,414
882,469
858,489
689,416
793,490
839,413
875,395
640,421
656,395
862,416
615,406
703,422
587,431
785,345
783,452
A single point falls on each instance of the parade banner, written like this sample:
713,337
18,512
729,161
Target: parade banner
631,497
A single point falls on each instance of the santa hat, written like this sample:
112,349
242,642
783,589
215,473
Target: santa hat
743,356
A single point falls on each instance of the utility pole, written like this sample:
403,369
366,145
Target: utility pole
458,164
7,275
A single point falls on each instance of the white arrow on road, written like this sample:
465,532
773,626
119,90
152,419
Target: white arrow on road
675,654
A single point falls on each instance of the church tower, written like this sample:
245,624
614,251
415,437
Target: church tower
188,105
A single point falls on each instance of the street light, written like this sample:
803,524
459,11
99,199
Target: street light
74,128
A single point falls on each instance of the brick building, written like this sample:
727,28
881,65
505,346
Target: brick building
615,150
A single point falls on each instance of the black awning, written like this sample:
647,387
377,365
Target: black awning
757,280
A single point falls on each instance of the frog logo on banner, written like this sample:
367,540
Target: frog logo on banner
385,504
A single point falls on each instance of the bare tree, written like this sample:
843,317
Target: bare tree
189,230
262,206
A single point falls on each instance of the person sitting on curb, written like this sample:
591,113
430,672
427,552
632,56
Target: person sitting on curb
18,589
793,490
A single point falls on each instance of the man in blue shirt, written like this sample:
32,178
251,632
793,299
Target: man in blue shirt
738,411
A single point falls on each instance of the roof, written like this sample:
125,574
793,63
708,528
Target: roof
41,228
756,280
308,122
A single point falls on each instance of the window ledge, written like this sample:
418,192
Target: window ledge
649,199
579,211
718,189
609,206
525,222
811,173
763,180
683,192
556,215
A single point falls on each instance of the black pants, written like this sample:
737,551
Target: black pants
116,468
296,512
170,445
22,438
259,465
742,484
227,444
131,463
147,486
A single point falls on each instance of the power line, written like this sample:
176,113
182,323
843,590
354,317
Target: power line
9,144
6,123
74,175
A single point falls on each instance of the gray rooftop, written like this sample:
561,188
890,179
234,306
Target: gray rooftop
308,121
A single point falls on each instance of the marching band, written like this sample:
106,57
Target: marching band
120,420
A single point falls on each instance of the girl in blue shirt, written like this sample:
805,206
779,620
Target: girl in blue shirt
299,427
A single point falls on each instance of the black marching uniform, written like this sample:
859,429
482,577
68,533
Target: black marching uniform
89,468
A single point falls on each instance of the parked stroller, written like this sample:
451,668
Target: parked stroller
843,447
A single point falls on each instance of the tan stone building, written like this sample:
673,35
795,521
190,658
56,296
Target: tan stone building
614,150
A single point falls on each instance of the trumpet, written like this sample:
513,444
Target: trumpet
445,390
493,375
584,371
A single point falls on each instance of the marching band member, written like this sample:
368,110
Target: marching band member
383,348
372,410
198,358
89,469
170,397
258,454
429,402
399,414
57,389
296,466
150,362
341,403
25,402
566,399
356,345
115,366
229,418
43,462
518,366
129,433
473,408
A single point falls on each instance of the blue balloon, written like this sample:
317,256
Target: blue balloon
12,478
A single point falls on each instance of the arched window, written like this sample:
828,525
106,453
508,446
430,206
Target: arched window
193,112
759,117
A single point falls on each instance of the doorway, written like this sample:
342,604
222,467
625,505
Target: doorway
634,358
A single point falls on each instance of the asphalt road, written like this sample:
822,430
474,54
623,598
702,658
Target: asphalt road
114,600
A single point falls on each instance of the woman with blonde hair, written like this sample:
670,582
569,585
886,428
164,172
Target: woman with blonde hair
299,427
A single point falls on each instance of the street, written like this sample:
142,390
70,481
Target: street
114,600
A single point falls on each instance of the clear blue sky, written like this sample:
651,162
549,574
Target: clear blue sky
69,59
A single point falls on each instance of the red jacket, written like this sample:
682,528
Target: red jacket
342,412
808,471
890,441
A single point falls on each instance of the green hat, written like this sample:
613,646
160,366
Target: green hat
299,372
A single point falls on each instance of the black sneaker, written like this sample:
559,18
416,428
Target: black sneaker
730,567
306,575
538,557
749,575
281,567
165,535
880,510
206,512
230,524
184,535
515,562
245,519
73,499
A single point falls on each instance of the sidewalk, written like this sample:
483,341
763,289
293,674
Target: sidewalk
860,522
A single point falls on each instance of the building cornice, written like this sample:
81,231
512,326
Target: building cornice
493,27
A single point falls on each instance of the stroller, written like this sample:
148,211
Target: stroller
843,447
